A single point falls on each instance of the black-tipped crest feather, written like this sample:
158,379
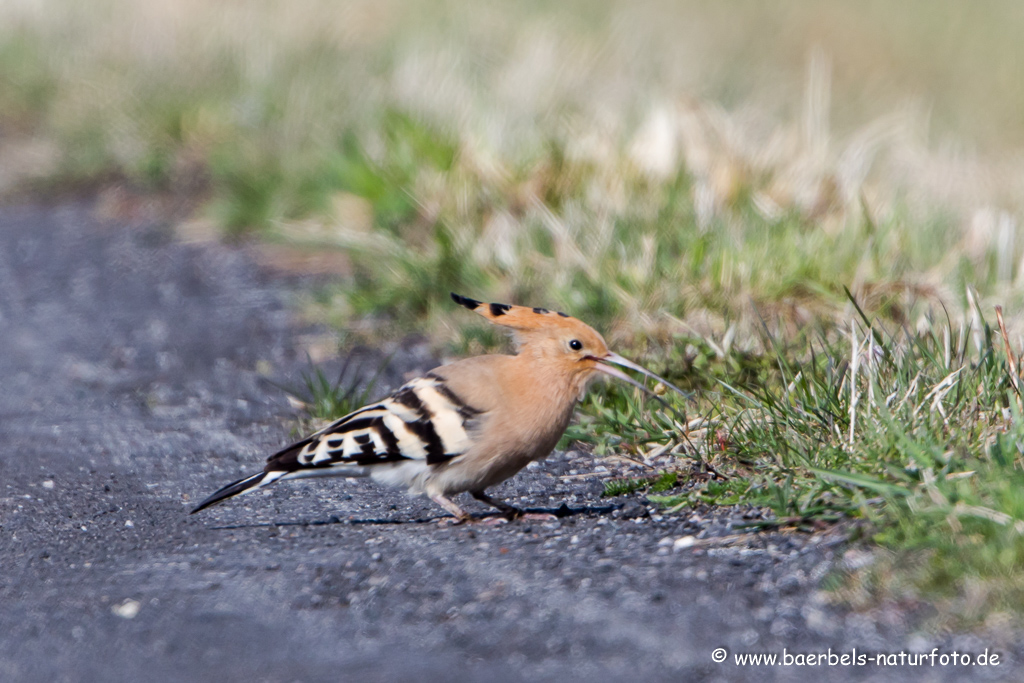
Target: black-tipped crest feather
471,304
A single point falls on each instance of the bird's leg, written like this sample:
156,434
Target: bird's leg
510,511
459,514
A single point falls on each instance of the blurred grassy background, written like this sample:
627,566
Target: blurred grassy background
638,163
699,180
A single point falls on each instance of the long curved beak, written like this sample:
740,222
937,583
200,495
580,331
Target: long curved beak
601,364
619,360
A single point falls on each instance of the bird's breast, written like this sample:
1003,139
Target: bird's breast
506,442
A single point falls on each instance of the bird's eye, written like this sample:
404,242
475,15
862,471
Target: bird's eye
576,345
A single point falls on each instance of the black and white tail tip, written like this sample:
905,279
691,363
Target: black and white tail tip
239,487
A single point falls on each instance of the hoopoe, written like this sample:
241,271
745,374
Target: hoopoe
462,427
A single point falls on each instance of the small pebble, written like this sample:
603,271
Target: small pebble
683,542
127,609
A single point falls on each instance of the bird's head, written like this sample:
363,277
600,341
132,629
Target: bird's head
559,339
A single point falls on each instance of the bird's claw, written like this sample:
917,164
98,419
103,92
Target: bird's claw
515,514
453,521
538,517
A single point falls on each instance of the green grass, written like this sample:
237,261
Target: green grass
324,400
588,157
658,483
918,434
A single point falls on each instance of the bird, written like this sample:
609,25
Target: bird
465,426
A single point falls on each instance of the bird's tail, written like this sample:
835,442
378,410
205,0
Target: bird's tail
241,486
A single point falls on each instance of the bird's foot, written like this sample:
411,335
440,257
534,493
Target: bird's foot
509,512
538,517
485,521
459,516
453,521
515,515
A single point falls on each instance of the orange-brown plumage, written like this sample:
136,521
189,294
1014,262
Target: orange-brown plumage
466,426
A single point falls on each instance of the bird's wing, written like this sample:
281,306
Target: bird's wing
423,420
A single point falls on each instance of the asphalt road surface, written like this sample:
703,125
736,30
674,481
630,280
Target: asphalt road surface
131,387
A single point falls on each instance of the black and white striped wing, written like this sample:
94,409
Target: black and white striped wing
423,420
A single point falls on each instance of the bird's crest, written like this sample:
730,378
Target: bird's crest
519,318
532,325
